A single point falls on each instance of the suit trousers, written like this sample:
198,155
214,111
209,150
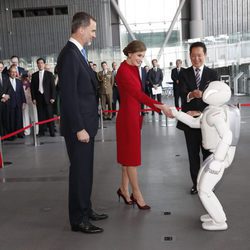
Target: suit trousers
16,119
116,98
44,111
194,145
177,96
81,156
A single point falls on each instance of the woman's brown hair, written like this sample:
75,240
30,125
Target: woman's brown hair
134,46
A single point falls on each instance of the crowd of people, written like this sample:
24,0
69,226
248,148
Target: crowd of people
26,98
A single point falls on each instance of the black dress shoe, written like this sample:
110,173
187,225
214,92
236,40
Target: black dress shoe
86,227
193,190
95,216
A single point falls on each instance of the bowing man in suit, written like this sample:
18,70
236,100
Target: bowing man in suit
5,89
79,120
175,77
17,102
193,81
43,92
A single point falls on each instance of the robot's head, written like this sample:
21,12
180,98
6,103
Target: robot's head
217,93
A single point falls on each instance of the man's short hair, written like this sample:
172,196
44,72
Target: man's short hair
40,59
14,57
196,45
104,62
154,60
80,19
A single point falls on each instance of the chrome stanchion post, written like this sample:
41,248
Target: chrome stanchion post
34,134
101,119
1,154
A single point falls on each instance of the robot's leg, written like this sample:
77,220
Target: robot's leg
210,202
202,169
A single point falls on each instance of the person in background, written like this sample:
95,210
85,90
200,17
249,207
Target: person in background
105,89
29,111
155,78
14,60
175,74
116,97
5,89
16,104
43,92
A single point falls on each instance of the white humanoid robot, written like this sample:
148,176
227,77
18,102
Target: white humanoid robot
220,128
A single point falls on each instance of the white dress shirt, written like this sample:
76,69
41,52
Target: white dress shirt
41,74
13,83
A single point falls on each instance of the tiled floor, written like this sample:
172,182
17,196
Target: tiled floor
33,195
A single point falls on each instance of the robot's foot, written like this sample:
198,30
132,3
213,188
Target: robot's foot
213,226
205,218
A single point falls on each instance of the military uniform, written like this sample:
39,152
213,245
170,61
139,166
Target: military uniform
105,91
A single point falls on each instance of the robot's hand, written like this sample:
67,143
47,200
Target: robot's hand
215,167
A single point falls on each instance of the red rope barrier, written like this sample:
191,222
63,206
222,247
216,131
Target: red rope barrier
245,104
16,132
29,126
47,121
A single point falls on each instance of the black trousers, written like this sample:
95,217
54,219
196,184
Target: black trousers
44,112
16,118
177,96
81,156
194,145
116,98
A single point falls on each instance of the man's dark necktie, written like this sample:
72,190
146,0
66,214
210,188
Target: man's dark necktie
197,77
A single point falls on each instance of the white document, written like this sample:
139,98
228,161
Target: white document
157,91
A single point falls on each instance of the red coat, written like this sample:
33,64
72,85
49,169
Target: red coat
129,119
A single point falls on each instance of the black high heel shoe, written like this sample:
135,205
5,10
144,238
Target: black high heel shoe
145,207
120,194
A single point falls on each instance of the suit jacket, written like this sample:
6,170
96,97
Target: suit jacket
143,78
78,92
188,84
155,77
17,98
48,86
5,87
175,75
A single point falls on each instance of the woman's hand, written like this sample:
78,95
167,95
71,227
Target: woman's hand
165,109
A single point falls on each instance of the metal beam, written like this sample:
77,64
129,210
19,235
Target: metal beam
123,19
171,28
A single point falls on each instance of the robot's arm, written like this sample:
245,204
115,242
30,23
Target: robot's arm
187,119
217,119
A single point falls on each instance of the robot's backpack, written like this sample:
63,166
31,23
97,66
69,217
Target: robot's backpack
233,117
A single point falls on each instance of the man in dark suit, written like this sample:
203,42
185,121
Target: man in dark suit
116,97
14,60
79,121
5,89
155,78
16,103
176,83
193,81
43,92
143,76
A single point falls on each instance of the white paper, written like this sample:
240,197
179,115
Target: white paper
157,91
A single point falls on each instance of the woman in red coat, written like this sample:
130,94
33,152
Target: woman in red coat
129,122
